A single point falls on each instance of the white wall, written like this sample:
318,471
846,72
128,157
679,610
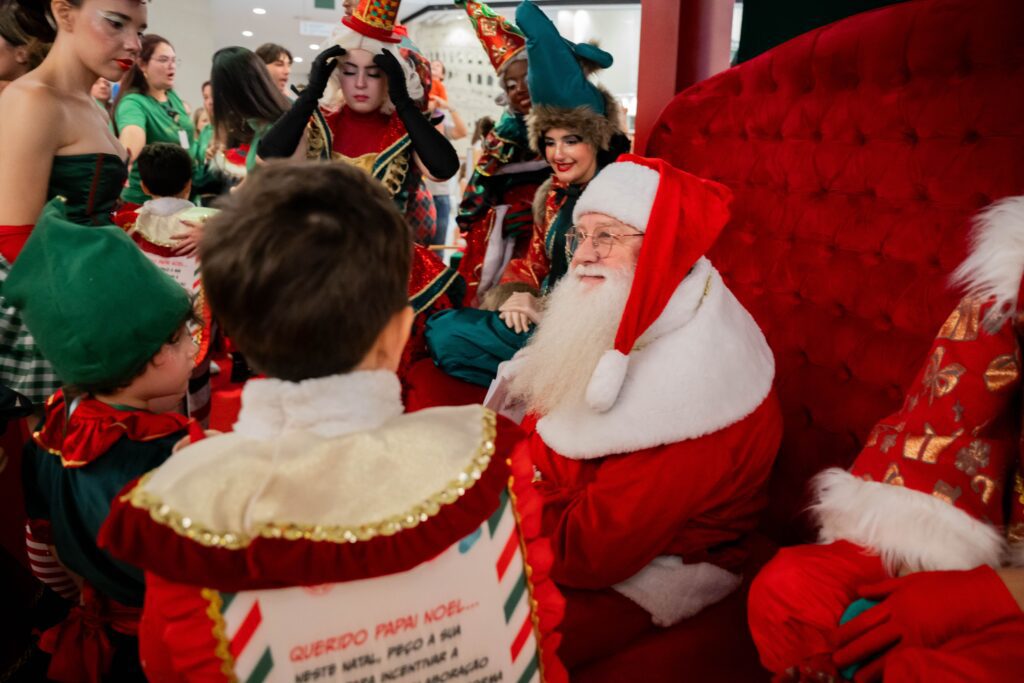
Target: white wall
448,36
187,24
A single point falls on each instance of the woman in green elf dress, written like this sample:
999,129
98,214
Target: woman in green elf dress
148,110
55,141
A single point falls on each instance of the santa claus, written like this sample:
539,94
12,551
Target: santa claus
652,418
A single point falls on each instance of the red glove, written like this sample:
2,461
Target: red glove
924,609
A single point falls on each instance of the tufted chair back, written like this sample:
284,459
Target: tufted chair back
857,154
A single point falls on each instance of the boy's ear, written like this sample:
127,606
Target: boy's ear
142,183
186,191
386,353
21,55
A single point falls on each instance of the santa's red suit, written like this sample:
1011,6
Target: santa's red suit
651,484
935,496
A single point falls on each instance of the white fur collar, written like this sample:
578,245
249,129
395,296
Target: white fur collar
165,206
326,406
703,365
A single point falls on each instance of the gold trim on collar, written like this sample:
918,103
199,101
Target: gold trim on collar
185,526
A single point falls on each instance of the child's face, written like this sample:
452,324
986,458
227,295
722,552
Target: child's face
168,373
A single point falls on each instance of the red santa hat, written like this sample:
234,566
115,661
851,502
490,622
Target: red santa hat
928,490
681,215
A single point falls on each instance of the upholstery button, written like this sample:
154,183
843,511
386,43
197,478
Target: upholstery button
983,199
838,310
921,193
816,136
911,137
884,322
743,135
971,137
894,392
935,262
871,193
860,138
844,374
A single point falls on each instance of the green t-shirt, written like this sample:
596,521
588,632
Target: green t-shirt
163,122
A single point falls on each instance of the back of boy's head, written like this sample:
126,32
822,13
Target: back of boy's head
305,265
165,168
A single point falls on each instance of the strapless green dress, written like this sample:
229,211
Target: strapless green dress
90,185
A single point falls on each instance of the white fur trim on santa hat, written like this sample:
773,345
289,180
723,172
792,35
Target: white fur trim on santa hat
671,591
995,265
606,381
623,190
701,366
910,529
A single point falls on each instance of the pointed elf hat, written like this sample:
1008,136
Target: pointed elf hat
681,216
375,19
98,308
928,490
555,77
501,39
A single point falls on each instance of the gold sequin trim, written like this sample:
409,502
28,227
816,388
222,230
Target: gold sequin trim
220,633
185,526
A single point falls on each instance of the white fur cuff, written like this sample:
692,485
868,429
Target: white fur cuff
910,529
672,591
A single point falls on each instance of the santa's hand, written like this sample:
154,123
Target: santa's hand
187,243
924,609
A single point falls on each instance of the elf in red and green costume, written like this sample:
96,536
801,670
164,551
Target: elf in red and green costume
114,328
496,213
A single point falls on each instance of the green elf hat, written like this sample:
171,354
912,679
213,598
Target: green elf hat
555,76
97,307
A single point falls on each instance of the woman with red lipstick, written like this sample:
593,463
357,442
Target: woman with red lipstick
55,141
382,130
572,123
147,109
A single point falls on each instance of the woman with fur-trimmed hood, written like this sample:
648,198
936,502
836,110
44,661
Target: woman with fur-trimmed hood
573,125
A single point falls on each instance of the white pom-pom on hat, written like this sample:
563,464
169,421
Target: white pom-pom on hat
606,381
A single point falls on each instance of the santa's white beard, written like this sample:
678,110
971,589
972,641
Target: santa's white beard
579,325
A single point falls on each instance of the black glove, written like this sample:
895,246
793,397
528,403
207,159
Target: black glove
433,148
284,136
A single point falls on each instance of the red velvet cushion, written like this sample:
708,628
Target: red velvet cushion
857,154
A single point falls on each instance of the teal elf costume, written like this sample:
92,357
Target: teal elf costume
562,97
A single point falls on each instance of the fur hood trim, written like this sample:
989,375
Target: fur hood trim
540,201
911,530
593,127
995,264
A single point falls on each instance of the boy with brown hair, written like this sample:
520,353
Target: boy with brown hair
324,481
113,327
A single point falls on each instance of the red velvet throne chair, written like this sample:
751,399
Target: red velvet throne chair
857,154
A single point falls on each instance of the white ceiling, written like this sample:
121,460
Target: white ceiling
282,22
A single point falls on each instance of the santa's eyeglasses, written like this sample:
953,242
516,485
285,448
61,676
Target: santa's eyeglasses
602,242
